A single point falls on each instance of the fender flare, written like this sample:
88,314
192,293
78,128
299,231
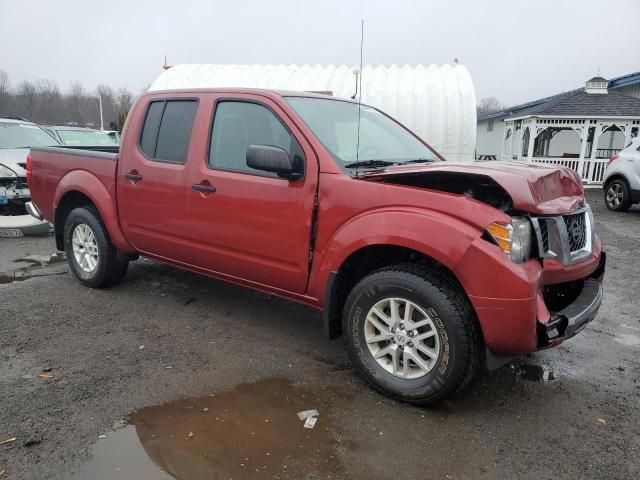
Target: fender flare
409,227
90,186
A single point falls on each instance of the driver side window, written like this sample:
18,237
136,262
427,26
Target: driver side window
236,125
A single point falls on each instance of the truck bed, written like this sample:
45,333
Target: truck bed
56,167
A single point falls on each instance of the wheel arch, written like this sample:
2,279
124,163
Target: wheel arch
616,176
364,261
69,200
80,188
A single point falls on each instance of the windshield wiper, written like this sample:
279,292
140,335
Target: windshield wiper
420,160
370,163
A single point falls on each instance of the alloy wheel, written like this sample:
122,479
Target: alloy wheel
85,247
615,195
402,338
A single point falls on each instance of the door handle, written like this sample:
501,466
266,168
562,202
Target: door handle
133,176
198,187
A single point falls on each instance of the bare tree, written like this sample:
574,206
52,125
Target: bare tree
5,97
4,83
49,108
43,102
75,111
489,105
27,95
125,99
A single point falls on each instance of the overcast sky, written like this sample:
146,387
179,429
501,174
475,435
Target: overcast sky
516,51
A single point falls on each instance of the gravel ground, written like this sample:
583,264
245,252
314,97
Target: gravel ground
582,422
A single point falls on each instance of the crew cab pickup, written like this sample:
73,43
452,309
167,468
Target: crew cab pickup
429,269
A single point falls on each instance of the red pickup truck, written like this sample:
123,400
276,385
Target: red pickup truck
428,269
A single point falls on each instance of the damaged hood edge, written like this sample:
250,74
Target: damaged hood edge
537,189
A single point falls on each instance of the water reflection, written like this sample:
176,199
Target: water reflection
249,432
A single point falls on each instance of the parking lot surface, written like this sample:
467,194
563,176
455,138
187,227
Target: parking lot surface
204,379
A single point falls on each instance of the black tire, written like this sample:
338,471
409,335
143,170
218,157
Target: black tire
456,326
110,267
612,190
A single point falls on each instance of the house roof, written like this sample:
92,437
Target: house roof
618,82
612,104
598,79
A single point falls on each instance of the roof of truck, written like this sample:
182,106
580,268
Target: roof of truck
259,91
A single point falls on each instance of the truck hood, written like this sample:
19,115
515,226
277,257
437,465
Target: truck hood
536,189
15,159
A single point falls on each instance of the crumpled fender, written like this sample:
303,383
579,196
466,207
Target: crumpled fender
440,236
88,184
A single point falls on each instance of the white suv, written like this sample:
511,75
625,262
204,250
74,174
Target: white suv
622,178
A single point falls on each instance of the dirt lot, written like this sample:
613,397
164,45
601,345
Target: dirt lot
254,361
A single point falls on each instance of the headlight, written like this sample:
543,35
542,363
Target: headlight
6,172
513,238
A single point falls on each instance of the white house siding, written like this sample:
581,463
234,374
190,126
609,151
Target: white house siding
631,90
489,142
437,103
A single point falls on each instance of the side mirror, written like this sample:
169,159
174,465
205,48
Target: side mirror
272,159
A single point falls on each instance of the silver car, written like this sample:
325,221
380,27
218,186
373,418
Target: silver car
16,136
622,178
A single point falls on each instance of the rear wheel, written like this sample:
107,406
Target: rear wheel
412,334
91,256
617,196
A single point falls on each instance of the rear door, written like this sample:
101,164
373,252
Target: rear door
153,187
249,224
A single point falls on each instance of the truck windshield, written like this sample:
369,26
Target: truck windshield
382,141
24,135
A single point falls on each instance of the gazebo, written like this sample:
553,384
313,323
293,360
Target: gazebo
580,130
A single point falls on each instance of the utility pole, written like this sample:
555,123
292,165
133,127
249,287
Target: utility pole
101,120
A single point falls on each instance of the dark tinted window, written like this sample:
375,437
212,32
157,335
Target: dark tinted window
167,128
237,125
175,130
150,128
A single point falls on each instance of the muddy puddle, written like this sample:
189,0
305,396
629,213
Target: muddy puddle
252,431
32,266
535,373
43,260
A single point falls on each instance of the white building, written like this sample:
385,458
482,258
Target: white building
437,103
580,128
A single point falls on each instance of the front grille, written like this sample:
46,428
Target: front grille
544,234
576,231
567,238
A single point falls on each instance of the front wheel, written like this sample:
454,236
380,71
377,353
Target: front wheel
412,334
92,257
617,196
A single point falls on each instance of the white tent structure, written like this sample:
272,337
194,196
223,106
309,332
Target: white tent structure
437,103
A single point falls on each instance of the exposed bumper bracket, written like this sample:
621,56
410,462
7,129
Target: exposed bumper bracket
567,322
33,210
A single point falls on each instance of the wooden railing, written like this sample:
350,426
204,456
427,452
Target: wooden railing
606,152
592,169
565,162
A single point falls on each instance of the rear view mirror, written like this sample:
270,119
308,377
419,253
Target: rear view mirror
272,159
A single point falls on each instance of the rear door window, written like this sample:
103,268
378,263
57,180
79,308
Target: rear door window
167,129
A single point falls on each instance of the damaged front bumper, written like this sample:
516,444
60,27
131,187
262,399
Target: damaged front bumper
13,196
530,306
572,318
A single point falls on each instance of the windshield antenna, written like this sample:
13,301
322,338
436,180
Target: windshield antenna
359,94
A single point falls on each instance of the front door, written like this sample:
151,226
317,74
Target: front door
255,226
